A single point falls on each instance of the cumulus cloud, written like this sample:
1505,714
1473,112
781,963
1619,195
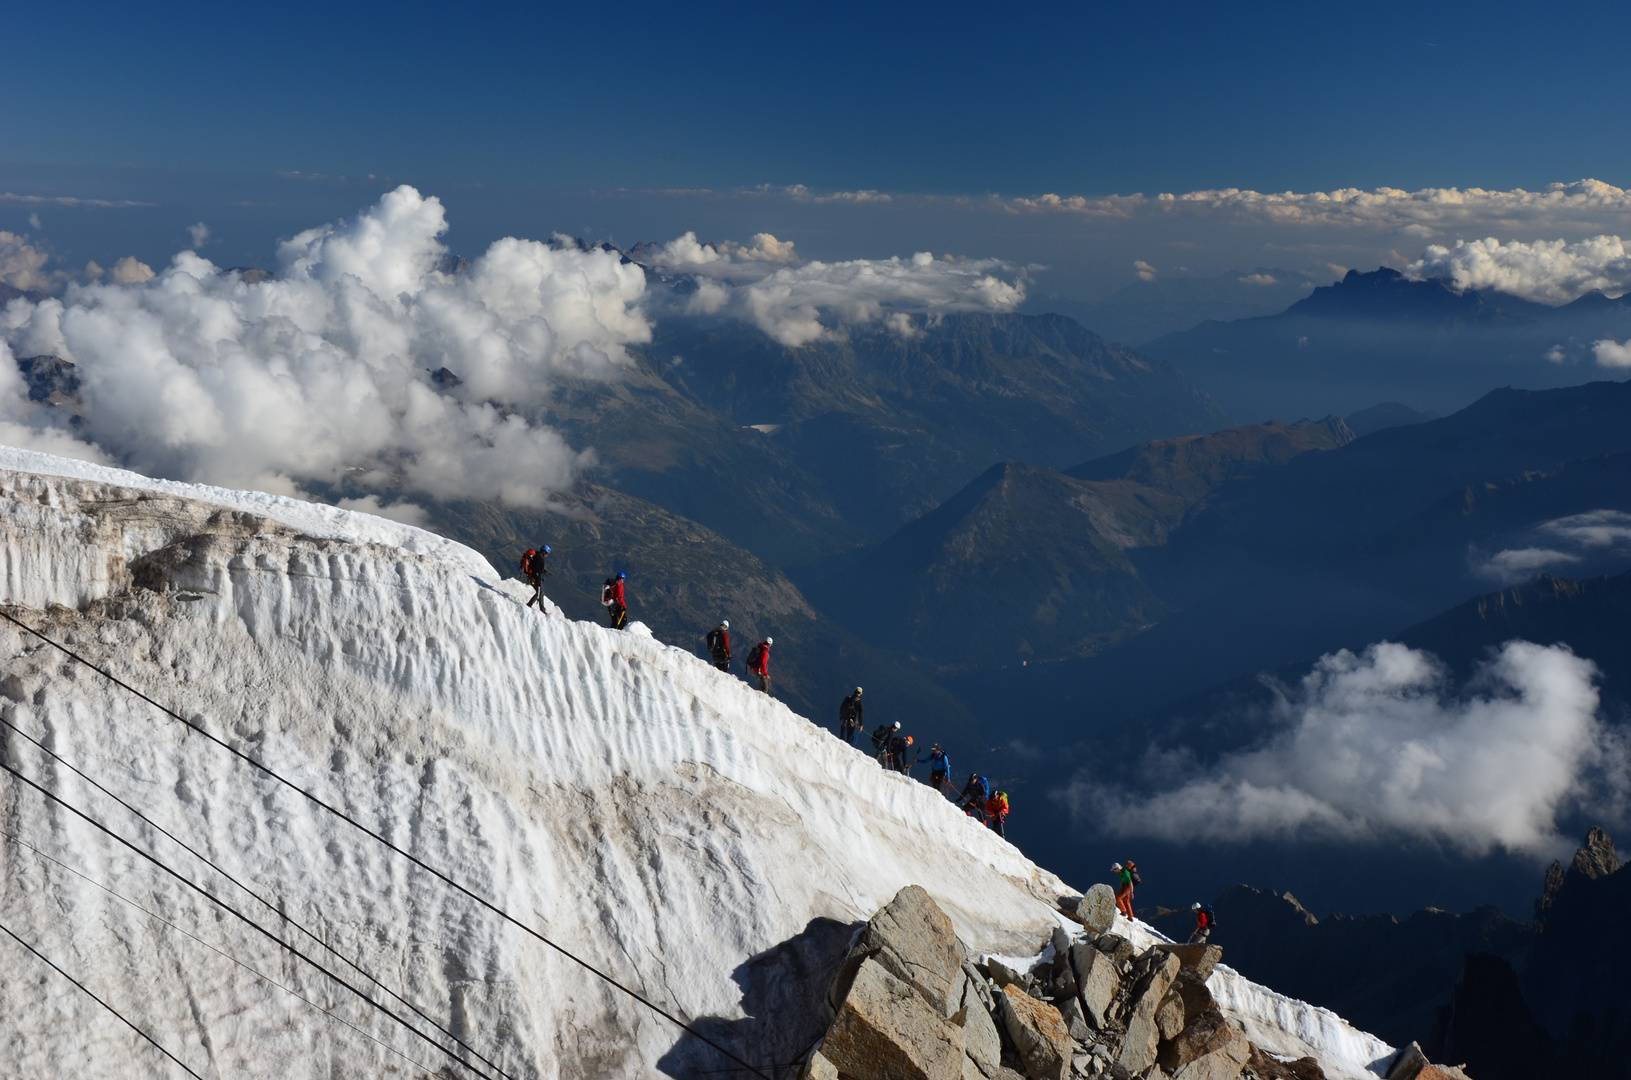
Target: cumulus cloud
22,264
1379,746
1417,213
1549,271
1612,354
1145,271
318,375
200,234
1558,544
797,303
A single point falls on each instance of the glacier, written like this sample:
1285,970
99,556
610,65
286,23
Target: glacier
687,835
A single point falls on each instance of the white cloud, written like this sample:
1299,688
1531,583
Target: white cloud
799,303
34,221
1378,746
1558,544
1550,271
200,234
1258,279
1145,271
318,374
1417,213
21,264
130,271
1612,354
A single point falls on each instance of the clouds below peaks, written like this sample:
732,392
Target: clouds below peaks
1378,746
319,374
1548,271
797,303
1562,544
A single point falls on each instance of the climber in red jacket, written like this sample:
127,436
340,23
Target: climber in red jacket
759,662
612,597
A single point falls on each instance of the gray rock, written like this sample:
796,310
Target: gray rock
1038,1033
886,1029
972,1071
1003,975
1061,941
1097,908
1197,998
980,1039
1070,1010
819,1068
1204,1031
1407,1064
977,982
1096,982
1169,1017
1139,1045
1116,947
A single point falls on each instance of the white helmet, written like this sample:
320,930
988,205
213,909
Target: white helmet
1196,906
897,724
857,690
726,623
770,641
1115,866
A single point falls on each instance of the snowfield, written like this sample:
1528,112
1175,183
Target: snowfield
689,836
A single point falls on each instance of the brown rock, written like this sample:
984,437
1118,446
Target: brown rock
1038,1033
819,1068
1070,1010
1204,1031
980,1039
1407,1063
1200,959
886,1031
1597,858
1197,998
915,942
1138,1046
1169,1018
1224,1061
1265,1067
1442,1072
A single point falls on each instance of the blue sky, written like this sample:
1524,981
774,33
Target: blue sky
533,118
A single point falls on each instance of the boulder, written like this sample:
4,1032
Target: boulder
980,1039
1227,1056
1442,1072
1197,998
1115,947
976,982
1203,1032
1200,959
1038,1034
915,942
1061,941
886,1031
1003,975
1407,1063
1070,1010
819,1068
1096,982
1139,1045
1264,1067
1169,1017
1097,908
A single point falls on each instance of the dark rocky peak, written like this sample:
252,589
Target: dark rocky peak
444,378
1385,293
50,379
1597,858
452,265
250,275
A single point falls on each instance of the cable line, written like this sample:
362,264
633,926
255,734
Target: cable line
264,902
414,859
100,1002
224,955
238,915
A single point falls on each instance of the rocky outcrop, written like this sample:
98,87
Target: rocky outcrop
1097,908
909,1003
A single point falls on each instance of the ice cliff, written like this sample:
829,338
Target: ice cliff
689,836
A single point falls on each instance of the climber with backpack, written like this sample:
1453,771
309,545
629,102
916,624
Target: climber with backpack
996,812
1204,922
880,741
899,746
1126,878
719,645
974,796
939,766
849,717
533,571
611,597
759,662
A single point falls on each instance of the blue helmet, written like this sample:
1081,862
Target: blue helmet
546,549
621,575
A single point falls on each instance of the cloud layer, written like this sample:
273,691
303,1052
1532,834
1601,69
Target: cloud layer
799,303
1377,746
1551,272
1559,545
321,374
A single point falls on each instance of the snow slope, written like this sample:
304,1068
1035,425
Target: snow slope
677,829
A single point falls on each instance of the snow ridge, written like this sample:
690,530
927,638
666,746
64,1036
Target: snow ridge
675,828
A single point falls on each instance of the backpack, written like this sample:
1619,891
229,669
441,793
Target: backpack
526,562
1208,920
880,738
756,655
982,787
716,640
1132,868
606,593
1001,798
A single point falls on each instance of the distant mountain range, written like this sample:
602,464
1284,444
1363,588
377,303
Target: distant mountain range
1380,336
1167,303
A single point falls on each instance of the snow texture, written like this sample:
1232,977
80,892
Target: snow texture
682,832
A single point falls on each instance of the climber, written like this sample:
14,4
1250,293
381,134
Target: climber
849,717
611,596
975,793
1124,888
533,571
899,746
719,645
880,740
759,662
1204,921
996,812
939,766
